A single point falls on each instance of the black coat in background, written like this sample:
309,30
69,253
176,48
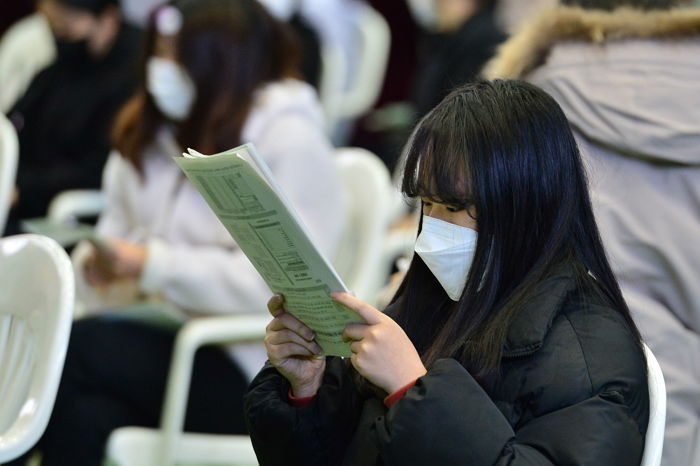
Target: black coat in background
573,390
448,60
64,121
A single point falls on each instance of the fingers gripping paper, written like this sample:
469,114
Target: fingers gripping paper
239,188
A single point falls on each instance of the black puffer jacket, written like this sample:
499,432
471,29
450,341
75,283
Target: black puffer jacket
573,391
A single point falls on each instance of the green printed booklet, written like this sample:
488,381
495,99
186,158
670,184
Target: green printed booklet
239,188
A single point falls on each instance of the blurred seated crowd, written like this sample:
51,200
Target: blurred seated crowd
103,93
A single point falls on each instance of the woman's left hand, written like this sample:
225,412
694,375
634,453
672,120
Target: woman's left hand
381,351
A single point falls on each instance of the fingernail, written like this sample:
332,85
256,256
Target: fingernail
310,336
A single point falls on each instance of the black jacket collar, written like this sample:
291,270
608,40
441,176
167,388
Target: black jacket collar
532,323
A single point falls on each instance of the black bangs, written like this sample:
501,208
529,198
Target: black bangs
435,162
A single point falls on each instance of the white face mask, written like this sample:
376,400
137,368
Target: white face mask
171,88
282,9
424,13
448,250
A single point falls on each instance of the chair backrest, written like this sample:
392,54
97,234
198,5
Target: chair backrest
369,189
654,441
344,98
9,151
37,295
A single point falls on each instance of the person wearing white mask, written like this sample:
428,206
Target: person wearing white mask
218,73
508,343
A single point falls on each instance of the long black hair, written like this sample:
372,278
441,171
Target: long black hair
503,149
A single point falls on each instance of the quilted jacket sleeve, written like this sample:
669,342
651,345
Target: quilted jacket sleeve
315,435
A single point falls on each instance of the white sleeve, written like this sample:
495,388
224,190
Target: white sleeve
204,279
118,178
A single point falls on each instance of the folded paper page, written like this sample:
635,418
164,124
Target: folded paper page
239,188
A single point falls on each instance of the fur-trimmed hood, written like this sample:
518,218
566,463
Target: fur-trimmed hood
628,80
529,48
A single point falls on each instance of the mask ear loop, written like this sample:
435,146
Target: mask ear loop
168,21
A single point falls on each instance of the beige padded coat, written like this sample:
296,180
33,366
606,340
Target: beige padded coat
629,82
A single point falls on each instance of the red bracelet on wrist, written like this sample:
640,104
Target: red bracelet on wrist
299,402
398,394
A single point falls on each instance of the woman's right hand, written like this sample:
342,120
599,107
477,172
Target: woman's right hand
292,350
97,269
118,260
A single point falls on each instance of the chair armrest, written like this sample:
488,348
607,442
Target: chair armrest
76,203
195,334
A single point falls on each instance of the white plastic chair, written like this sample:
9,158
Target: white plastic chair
343,99
9,151
654,441
371,195
37,293
135,446
76,203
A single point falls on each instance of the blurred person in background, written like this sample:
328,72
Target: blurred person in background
629,82
64,118
218,73
137,12
454,38
463,36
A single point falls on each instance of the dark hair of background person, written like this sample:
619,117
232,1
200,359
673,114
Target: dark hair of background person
487,4
613,4
506,149
310,65
95,7
230,48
